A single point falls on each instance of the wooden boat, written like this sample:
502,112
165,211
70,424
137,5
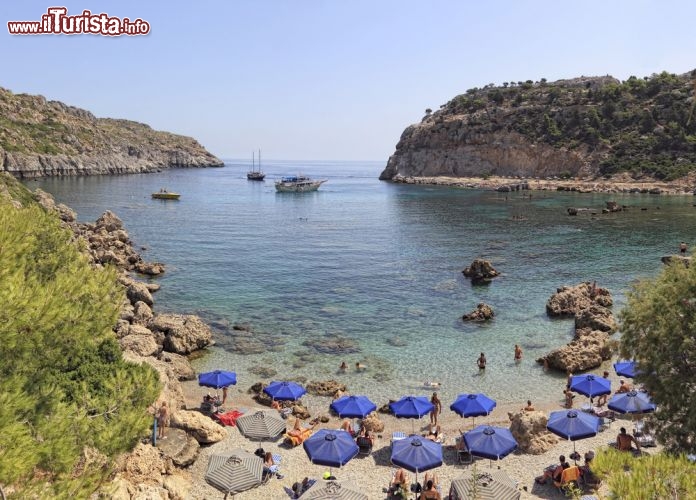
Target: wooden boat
253,174
163,194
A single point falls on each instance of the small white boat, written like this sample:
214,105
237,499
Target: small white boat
298,184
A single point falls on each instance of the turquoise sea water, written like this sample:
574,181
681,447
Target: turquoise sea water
379,264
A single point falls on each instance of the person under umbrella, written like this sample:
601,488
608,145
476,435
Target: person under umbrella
489,442
573,425
330,448
473,405
416,454
284,391
217,379
590,385
411,407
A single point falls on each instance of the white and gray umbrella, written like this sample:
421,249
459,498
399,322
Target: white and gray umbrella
334,490
234,471
261,425
489,485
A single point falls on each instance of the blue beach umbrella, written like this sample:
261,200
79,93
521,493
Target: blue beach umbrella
416,454
330,448
573,425
217,379
625,369
284,391
411,407
353,406
632,402
489,442
590,385
472,405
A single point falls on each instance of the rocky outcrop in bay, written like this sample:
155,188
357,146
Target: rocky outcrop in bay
594,323
43,138
480,271
483,312
567,129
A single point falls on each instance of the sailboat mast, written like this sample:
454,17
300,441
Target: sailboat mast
259,159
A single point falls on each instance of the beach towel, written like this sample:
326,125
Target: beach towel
229,418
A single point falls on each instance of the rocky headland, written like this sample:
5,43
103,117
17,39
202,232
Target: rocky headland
41,138
581,134
589,305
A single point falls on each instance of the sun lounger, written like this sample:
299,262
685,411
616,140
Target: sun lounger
396,436
364,445
463,454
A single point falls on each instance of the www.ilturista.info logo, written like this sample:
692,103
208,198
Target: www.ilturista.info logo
56,21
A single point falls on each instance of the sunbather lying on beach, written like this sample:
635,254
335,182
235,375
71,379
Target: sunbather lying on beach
399,486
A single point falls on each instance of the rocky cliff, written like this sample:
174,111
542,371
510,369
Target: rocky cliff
584,127
48,138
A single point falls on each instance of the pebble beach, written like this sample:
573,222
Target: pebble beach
374,472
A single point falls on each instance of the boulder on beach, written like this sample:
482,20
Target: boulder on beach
201,427
483,312
372,423
529,430
480,271
300,411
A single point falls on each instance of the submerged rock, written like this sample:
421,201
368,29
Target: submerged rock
332,344
325,388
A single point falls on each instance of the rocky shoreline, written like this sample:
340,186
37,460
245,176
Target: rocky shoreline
618,184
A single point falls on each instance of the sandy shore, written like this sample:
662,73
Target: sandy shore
374,472
621,183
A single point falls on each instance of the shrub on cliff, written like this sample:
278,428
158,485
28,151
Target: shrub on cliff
657,330
650,476
63,383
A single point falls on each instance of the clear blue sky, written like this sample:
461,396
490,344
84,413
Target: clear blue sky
337,79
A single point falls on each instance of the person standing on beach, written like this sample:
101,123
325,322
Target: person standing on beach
162,420
682,248
518,353
481,362
437,408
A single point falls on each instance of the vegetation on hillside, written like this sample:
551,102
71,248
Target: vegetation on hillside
642,125
32,125
64,385
653,476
